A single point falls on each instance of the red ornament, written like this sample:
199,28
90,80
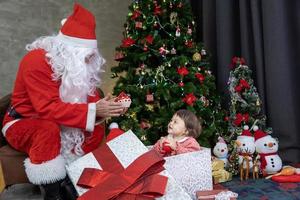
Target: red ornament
200,77
189,43
183,71
136,14
145,48
145,124
244,84
238,88
127,42
149,39
138,24
237,61
189,99
166,148
157,10
149,98
119,56
181,84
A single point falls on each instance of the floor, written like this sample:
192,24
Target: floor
21,192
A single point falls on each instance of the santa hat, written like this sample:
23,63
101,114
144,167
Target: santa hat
246,132
221,140
114,132
79,28
259,134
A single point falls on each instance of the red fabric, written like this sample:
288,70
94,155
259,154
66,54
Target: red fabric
138,181
40,139
287,179
263,159
36,98
114,132
36,95
81,24
188,145
259,134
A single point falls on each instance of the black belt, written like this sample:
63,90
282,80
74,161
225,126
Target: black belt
13,113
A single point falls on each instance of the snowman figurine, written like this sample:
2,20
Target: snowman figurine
245,147
266,148
221,151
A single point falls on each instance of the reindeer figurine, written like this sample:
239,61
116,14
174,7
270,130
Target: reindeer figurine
255,169
245,168
245,149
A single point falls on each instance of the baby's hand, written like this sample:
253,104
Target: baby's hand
171,143
161,141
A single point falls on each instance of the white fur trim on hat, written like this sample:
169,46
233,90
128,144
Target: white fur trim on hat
77,42
113,125
63,21
47,172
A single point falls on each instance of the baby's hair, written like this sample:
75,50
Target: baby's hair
191,121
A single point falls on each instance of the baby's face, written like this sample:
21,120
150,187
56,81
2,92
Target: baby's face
176,126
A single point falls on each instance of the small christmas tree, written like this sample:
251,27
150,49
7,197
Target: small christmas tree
245,107
165,70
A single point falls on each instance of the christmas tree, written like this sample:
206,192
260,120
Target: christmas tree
245,107
165,70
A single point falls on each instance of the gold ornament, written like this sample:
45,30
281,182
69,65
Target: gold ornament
197,57
143,138
149,107
132,115
257,102
173,17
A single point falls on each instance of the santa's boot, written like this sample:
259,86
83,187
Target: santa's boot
52,191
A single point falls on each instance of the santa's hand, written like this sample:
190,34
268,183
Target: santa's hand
107,108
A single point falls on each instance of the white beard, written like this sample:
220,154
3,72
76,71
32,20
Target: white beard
78,80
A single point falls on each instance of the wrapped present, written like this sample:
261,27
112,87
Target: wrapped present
219,174
191,170
117,170
216,194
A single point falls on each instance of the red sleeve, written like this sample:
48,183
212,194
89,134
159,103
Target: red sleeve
44,95
158,148
188,145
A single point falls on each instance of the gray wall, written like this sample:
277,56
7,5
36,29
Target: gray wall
22,21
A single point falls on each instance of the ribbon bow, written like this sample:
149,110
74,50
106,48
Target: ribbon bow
239,118
140,180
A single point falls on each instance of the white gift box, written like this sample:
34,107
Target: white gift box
126,147
191,170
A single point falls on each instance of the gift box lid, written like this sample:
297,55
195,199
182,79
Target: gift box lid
211,194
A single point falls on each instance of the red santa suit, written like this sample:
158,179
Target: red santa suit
36,127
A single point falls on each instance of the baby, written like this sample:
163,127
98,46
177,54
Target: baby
183,128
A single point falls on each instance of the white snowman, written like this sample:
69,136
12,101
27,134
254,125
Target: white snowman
245,147
221,151
267,147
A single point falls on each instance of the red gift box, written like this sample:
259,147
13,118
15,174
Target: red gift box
140,180
211,194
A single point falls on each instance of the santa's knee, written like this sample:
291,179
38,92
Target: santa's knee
45,164
46,143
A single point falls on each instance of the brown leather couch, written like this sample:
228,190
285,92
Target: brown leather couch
12,169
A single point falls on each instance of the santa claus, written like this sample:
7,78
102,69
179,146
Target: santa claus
55,105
